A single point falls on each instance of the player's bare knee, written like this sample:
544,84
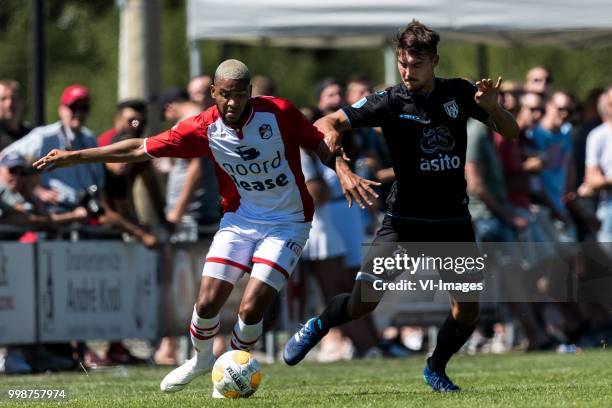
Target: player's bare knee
206,307
249,312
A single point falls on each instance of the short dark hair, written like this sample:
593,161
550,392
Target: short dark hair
418,39
326,82
172,95
263,85
138,105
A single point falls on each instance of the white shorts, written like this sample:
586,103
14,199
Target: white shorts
324,241
349,223
269,252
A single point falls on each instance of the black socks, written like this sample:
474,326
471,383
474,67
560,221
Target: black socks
336,314
451,337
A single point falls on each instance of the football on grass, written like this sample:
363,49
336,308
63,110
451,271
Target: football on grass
236,374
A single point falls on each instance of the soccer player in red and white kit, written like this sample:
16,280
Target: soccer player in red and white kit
254,143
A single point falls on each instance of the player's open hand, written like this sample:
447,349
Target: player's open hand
55,158
354,187
487,95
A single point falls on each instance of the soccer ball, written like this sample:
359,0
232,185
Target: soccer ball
236,374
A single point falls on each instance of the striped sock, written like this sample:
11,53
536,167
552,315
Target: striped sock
245,335
202,333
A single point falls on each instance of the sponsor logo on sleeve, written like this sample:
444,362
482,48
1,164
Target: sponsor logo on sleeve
416,118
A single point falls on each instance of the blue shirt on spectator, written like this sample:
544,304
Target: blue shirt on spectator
69,182
554,149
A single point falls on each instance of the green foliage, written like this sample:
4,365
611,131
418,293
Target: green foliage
578,71
174,51
295,70
81,47
15,42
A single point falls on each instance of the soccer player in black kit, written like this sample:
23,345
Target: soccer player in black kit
423,120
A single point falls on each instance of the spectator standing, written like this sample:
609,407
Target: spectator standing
590,119
199,91
263,85
552,141
598,174
63,189
11,126
130,122
539,80
510,92
185,190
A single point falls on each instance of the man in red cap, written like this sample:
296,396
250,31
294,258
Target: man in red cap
63,189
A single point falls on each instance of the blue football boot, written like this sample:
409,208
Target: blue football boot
438,381
303,341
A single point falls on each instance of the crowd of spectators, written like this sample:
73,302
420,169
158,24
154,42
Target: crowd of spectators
552,185
549,188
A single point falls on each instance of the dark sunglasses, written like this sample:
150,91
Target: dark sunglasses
547,80
563,109
79,108
17,171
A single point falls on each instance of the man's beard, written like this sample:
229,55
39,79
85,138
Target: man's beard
414,86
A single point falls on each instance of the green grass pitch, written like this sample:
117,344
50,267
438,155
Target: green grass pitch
525,380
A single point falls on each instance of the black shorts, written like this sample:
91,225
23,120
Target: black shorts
395,229
396,235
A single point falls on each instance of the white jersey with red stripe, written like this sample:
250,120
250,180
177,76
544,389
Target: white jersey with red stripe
257,161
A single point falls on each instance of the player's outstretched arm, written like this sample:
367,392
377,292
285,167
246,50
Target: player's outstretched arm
125,151
487,97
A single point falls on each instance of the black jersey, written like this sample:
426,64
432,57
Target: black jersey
427,140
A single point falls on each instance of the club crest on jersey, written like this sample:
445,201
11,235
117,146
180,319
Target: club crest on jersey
265,131
452,109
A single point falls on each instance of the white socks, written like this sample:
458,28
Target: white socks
245,335
202,333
